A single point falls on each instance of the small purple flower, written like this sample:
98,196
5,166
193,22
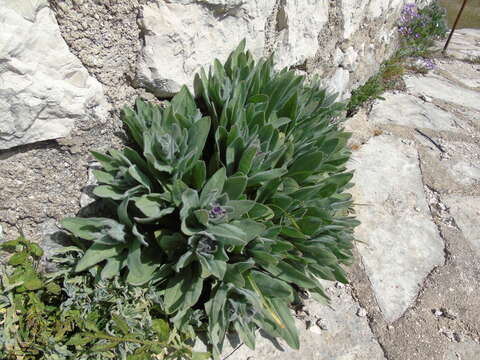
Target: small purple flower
216,212
429,64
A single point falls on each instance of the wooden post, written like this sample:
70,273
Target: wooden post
454,26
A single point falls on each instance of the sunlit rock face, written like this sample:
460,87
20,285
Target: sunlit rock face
43,87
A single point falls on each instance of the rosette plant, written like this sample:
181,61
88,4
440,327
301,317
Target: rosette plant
230,202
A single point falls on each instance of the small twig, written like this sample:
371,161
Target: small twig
437,145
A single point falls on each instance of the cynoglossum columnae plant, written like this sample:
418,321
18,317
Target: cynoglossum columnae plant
228,204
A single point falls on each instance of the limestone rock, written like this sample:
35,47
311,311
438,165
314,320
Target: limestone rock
403,244
182,36
43,87
298,25
410,111
464,44
466,212
353,13
440,88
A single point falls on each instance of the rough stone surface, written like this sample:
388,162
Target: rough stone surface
295,40
442,89
43,87
344,41
181,37
414,187
345,335
43,181
403,244
466,212
408,110
443,321
465,44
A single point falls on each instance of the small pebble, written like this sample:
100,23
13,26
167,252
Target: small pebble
448,314
457,337
361,312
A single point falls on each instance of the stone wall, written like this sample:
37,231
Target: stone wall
68,66
344,41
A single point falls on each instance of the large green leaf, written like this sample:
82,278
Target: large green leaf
235,186
228,234
197,135
285,322
240,207
103,231
183,290
96,254
265,176
288,273
271,287
214,185
140,271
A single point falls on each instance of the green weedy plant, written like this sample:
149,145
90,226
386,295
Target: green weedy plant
227,205
63,315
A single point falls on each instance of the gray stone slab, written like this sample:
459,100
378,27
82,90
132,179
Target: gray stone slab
443,89
466,212
43,87
464,73
464,44
347,336
457,167
403,244
407,110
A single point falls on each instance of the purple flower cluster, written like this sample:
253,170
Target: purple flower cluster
429,64
216,212
409,16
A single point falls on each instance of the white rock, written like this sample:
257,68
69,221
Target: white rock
466,211
407,110
353,15
350,59
43,87
339,83
361,312
298,37
182,37
440,88
403,245
464,44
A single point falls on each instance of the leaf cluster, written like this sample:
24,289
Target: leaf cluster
64,315
228,202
